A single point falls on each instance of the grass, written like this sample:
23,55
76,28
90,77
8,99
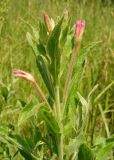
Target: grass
96,85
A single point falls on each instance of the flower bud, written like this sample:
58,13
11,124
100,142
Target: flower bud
25,75
29,77
79,30
49,22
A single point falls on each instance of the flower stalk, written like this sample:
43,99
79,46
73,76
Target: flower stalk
79,30
30,78
59,119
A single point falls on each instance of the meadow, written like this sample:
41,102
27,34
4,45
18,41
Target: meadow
65,109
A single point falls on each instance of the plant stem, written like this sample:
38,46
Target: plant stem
93,119
104,120
58,107
59,119
103,92
40,92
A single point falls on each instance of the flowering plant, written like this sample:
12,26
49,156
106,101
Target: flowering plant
59,119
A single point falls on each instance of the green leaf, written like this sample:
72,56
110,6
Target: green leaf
79,68
42,33
21,141
35,33
17,141
23,103
53,41
25,155
28,111
32,43
73,146
3,131
53,50
105,151
41,49
53,130
84,103
22,145
85,153
37,135
45,75
4,92
49,119
79,112
64,35
37,46
68,45
65,54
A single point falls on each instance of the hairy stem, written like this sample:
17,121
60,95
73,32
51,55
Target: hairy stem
59,119
40,92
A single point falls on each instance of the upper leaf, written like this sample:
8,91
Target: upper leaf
85,153
42,33
53,50
28,111
45,75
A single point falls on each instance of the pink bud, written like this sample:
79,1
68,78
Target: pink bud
29,77
79,29
25,75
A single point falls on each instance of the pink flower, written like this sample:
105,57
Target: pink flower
23,74
79,29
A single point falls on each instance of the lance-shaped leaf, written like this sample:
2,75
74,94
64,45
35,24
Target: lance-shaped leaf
37,46
85,153
45,75
52,127
32,43
53,50
46,115
79,69
41,49
4,92
64,35
28,111
22,145
42,33
104,151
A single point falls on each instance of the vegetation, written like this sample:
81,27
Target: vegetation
64,111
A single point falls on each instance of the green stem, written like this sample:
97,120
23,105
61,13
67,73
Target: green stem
41,93
103,92
93,119
59,119
104,120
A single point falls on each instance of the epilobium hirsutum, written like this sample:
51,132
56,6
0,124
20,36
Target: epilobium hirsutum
49,56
